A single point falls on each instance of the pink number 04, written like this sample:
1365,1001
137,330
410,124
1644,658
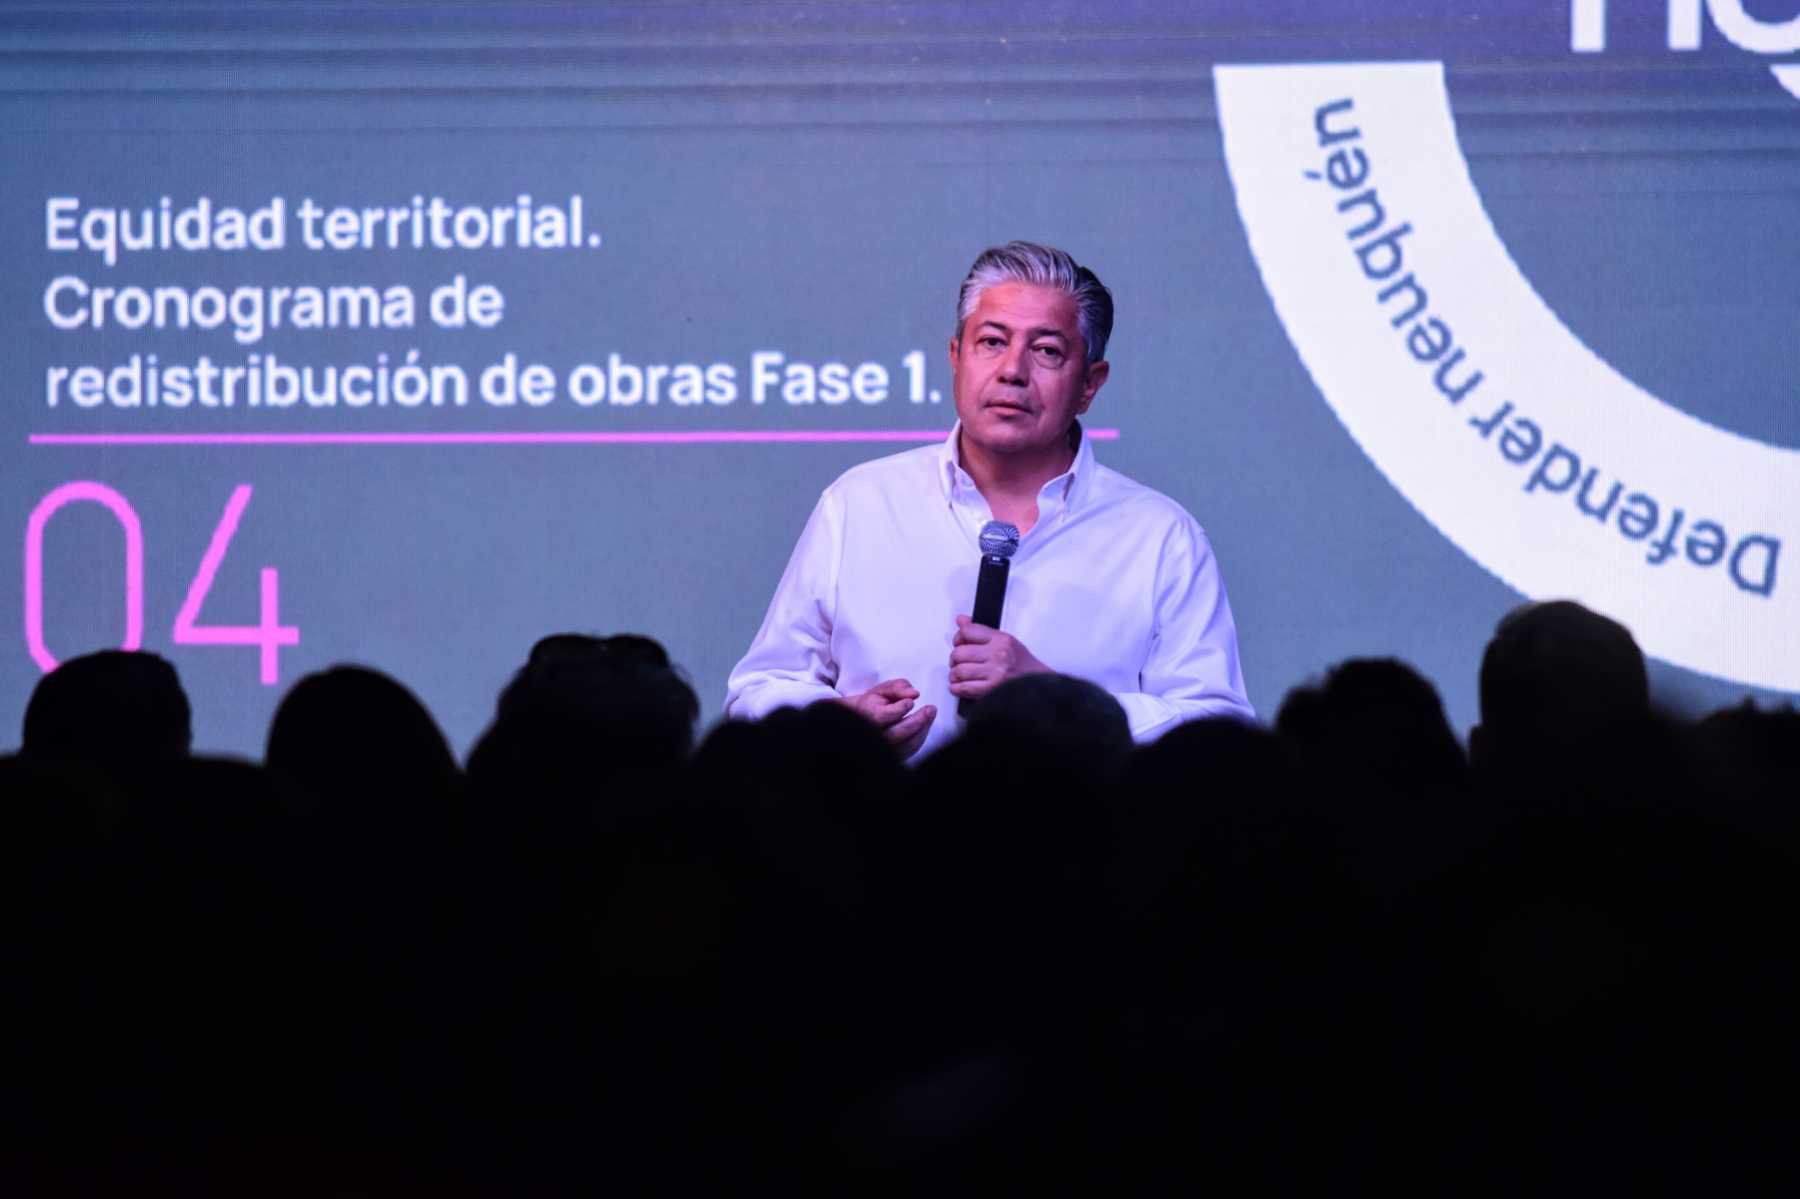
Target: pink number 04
267,635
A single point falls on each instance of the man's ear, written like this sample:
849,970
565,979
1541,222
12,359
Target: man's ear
1096,375
953,349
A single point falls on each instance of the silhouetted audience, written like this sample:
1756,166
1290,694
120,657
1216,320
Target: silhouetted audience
1042,957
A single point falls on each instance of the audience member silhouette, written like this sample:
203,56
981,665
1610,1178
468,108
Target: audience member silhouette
363,746
1381,758
381,794
583,710
1233,926
1374,721
1555,676
114,708
1078,715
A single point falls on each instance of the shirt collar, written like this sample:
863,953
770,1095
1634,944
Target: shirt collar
952,476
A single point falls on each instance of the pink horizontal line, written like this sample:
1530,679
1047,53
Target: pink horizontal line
548,438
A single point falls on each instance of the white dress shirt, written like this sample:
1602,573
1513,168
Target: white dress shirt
1115,584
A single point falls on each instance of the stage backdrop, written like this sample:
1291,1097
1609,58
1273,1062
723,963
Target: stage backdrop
405,335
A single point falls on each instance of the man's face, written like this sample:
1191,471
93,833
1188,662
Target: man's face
1020,369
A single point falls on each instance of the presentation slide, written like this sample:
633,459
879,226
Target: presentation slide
406,335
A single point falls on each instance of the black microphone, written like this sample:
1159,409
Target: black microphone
999,541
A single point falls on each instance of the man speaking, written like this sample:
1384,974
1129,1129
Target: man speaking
1110,581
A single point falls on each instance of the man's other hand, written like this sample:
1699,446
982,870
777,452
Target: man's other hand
983,658
889,705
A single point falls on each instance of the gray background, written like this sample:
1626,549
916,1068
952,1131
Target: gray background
815,178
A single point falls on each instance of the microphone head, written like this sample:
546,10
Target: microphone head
999,539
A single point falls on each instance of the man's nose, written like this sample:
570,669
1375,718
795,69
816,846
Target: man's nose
1013,365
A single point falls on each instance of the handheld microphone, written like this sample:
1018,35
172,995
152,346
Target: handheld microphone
999,541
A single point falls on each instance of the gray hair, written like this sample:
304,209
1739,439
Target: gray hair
1046,266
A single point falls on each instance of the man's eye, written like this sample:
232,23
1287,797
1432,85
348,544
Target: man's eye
1049,353
990,341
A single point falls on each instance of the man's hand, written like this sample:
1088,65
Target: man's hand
983,658
889,705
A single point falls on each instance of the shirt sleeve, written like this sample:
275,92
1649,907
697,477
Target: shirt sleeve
789,663
1192,669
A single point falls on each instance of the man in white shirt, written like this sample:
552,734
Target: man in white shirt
1112,582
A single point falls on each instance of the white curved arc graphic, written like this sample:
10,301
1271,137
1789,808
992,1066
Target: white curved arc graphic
1436,452
1787,74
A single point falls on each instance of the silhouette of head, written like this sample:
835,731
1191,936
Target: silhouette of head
584,708
1554,675
1379,719
115,707
355,733
1079,716
621,648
